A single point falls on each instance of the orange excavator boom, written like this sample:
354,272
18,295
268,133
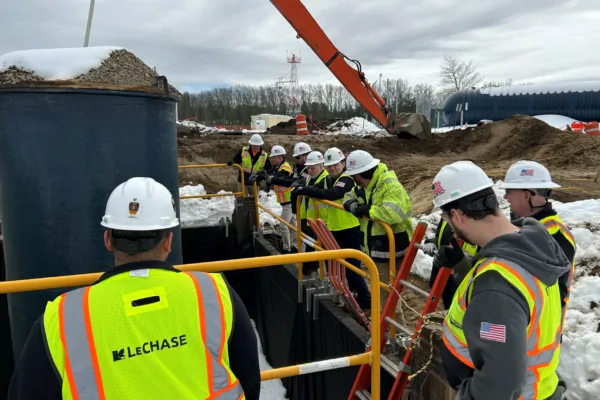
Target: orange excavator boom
352,79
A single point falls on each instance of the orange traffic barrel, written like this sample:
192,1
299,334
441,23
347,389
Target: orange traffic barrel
301,127
592,128
577,126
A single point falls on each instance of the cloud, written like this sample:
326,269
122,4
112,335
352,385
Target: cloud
203,43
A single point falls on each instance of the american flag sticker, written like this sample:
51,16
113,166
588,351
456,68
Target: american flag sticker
527,172
340,184
437,189
494,332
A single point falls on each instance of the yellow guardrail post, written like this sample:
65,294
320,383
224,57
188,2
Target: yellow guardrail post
242,193
321,263
373,356
255,188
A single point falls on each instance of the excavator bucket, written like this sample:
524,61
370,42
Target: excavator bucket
412,124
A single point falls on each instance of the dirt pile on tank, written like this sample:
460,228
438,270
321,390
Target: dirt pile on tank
120,68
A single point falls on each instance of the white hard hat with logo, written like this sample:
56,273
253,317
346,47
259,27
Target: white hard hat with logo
300,149
277,151
314,158
140,204
526,174
333,156
256,140
457,180
360,161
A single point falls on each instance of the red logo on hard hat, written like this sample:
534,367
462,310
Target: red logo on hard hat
437,189
134,206
352,163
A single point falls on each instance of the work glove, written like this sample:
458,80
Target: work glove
299,190
269,179
230,163
350,205
252,178
297,183
360,193
429,249
362,210
449,256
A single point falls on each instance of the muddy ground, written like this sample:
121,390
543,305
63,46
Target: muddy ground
571,157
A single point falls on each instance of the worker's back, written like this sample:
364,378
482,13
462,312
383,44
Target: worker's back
145,334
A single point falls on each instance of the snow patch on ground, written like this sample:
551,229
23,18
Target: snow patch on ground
556,121
269,201
355,126
57,64
196,213
199,127
273,389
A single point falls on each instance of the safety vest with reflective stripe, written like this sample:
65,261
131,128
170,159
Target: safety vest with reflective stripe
337,219
309,212
159,334
247,161
554,225
543,331
467,248
284,194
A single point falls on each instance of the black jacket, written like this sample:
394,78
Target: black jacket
237,159
287,181
333,192
280,176
35,377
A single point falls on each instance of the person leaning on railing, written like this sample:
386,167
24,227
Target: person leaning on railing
343,225
144,330
252,159
379,196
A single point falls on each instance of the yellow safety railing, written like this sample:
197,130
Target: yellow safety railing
242,193
316,245
372,356
299,239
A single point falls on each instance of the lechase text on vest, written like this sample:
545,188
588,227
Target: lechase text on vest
149,347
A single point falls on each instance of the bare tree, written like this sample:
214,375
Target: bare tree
456,74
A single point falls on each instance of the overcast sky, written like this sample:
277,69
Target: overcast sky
207,43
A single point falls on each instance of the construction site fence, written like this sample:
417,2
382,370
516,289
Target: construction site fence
241,193
371,357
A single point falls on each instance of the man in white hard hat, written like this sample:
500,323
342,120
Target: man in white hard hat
281,169
316,174
502,331
344,226
144,330
379,196
252,159
528,186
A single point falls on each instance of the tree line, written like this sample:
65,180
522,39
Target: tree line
236,104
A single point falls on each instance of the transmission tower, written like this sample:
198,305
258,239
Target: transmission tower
289,82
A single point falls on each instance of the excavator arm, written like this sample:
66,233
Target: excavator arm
352,79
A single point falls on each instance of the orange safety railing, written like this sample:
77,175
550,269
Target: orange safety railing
372,356
242,193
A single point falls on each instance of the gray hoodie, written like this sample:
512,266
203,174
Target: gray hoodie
501,366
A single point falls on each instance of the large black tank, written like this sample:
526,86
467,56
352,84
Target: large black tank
63,149
577,100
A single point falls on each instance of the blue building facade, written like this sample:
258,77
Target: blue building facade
577,100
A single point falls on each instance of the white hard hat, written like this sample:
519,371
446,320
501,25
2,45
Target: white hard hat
314,158
301,148
277,151
457,180
256,140
333,156
360,161
140,204
528,175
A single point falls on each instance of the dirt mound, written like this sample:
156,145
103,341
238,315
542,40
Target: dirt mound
284,128
571,157
289,127
120,68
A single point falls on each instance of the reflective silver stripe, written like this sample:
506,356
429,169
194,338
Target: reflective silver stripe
532,341
82,365
386,254
397,209
76,343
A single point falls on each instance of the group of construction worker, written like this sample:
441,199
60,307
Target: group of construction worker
509,289
144,322
361,184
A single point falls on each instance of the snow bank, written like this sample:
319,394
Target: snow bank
355,126
269,201
273,389
213,211
57,64
556,121
199,127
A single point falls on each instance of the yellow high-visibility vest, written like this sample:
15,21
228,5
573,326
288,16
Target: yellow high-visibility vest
310,211
337,219
247,161
157,334
543,331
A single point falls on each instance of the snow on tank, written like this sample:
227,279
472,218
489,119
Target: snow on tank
57,64
543,88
